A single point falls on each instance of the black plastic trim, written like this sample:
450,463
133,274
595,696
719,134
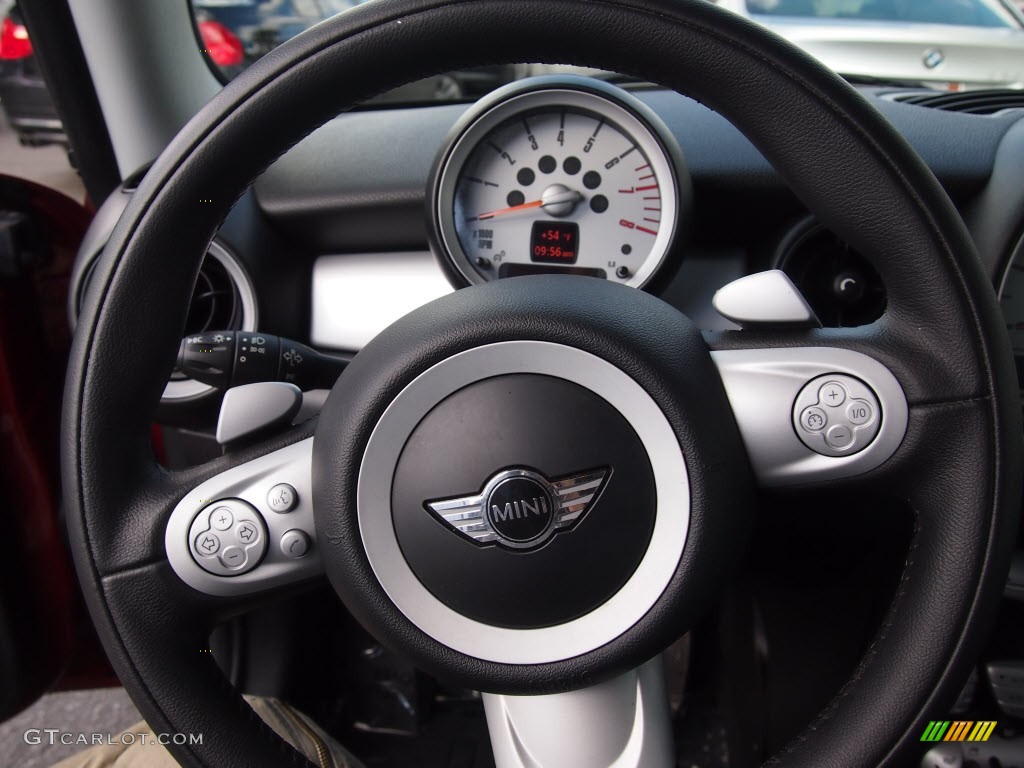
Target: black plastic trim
62,61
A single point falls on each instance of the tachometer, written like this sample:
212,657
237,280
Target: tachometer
564,175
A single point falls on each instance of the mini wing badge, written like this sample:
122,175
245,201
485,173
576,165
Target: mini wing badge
522,509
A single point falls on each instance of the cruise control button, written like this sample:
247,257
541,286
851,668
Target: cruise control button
851,410
221,518
295,543
282,498
859,412
840,436
207,543
832,394
814,419
233,557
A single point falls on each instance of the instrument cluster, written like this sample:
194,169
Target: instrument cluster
564,175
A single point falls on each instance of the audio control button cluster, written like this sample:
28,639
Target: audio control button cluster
228,537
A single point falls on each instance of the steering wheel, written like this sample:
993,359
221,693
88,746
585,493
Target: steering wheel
640,439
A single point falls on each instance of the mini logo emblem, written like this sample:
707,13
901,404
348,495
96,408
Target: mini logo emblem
933,57
520,508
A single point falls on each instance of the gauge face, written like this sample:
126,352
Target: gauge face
558,180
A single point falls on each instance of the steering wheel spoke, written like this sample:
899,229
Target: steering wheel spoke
622,722
811,414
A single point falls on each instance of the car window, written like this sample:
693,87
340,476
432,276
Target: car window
971,13
33,145
235,33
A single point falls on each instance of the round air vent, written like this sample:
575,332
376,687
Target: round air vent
222,299
841,286
216,300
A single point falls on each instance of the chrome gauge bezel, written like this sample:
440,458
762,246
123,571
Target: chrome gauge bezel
1015,260
571,93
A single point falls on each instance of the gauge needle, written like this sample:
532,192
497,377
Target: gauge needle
511,209
556,196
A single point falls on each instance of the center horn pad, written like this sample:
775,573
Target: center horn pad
523,501
531,485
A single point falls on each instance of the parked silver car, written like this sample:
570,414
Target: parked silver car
954,44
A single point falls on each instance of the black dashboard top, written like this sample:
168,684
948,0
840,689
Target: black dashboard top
359,182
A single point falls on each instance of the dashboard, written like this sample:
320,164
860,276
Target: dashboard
380,211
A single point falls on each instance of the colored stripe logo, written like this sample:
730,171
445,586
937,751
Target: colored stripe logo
958,730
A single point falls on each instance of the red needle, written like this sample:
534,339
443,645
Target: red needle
513,209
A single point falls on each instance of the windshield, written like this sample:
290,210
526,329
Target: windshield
877,41
968,13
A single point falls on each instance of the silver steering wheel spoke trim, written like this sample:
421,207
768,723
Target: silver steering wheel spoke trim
623,722
763,386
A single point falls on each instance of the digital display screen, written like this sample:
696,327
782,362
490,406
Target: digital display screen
554,242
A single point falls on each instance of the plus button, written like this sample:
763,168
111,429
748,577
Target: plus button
832,394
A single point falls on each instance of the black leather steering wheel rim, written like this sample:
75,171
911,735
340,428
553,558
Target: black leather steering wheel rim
941,336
